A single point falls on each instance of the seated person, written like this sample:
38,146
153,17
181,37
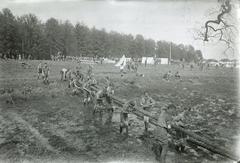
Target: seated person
177,75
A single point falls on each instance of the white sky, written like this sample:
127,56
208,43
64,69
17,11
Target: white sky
160,20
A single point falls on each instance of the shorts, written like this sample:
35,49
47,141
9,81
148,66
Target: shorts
124,124
146,119
108,99
39,70
46,75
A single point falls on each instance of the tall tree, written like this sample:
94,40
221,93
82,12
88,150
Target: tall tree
31,35
82,36
9,35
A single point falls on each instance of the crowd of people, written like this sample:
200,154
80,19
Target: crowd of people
100,98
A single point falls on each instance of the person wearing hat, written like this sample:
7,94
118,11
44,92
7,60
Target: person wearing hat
161,136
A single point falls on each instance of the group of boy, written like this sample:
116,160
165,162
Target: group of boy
167,76
103,102
43,72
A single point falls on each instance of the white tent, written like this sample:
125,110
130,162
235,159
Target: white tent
150,60
128,59
122,62
106,60
164,61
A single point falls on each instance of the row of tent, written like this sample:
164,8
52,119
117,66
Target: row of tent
145,60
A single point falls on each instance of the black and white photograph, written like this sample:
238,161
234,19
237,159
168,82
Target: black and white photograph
119,81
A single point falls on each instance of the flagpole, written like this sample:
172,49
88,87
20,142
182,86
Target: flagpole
170,53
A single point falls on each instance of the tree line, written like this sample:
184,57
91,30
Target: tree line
27,36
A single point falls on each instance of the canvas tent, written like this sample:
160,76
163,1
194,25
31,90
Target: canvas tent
164,61
121,62
150,60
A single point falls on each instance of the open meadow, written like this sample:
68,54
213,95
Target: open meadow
51,123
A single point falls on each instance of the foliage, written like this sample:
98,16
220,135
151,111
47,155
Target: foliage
29,37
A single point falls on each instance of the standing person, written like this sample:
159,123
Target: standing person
121,69
127,108
191,67
124,122
146,62
98,106
39,69
161,136
147,103
109,91
169,75
63,73
90,70
45,73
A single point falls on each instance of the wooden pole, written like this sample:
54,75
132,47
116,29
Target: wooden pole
170,53
193,138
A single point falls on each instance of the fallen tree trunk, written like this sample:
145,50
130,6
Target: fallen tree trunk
193,138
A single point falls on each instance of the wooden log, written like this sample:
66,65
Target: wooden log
194,138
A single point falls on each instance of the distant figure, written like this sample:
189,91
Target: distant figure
19,57
65,73
177,75
90,70
45,73
40,70
191,67
182,65
146,62
167,76
121,69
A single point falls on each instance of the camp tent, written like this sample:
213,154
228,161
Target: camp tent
164,61
150,60
121,62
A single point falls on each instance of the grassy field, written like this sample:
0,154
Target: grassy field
52,124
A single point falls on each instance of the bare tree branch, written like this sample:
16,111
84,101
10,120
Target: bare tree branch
226,8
